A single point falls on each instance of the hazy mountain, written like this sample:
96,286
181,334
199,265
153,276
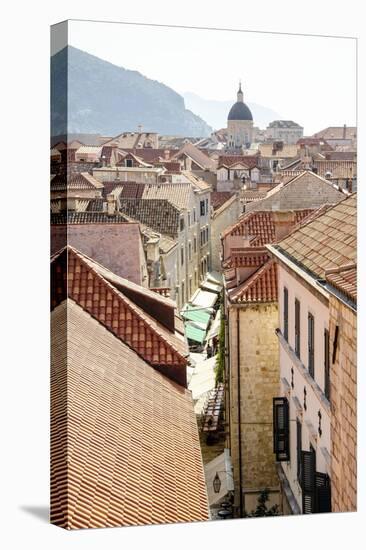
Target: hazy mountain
103,98
215,112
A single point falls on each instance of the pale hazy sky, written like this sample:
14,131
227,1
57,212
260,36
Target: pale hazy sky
311,80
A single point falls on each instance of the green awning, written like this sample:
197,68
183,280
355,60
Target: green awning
198,315
195,333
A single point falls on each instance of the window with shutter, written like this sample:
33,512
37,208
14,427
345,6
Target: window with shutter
285,313
311,344
297,328
202,208
308,481
298,448
322,493
281,429
326,364
316,486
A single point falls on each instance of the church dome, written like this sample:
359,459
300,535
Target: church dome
240,111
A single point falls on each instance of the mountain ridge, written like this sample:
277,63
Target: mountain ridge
91,95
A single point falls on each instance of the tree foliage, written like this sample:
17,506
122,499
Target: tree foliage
220,358
262,507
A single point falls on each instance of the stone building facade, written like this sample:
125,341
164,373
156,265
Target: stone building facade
253,379
286,130
239,124
343,391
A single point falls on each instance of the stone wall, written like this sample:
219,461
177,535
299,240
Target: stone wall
343,397
259,383
308,191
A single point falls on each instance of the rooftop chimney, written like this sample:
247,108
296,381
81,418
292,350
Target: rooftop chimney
284,222
111,205
344,131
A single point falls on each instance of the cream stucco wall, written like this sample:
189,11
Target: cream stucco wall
310,301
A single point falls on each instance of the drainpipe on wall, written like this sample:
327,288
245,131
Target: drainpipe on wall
239,413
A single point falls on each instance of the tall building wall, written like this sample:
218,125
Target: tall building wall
259,383
343,396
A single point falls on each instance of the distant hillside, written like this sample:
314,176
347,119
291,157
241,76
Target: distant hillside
106,99
215,112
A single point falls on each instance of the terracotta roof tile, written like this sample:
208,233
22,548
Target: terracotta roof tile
80,280
133,455
71,217
327,242
260,225
178,194
259,287
82,180
200,158
218,198
243,257
159,214
344,279
338,168
337,132
251,161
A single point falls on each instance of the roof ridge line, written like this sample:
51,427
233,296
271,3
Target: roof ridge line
129,304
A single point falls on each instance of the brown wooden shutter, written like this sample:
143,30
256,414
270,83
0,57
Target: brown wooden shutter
326,364
322,493
297,328
281,429
311,344
308,481
285,313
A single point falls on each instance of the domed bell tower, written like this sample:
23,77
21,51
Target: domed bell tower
240,123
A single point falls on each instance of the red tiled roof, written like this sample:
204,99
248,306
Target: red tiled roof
327,242
259,287
218,198
81,282
124,441
229,160
132,190
172,167
81,180
260,225
244,257
106,152
344,279
151,155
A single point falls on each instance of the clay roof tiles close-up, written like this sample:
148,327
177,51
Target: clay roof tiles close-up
82,180
344,279
133,455
259,287
251,161
327,242
260,225
84,283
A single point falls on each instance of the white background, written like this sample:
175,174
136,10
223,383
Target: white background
24,370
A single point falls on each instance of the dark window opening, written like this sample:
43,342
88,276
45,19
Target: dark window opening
298,448
311,344
281,429
285,313
297,328
202,208
326,364
335,344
